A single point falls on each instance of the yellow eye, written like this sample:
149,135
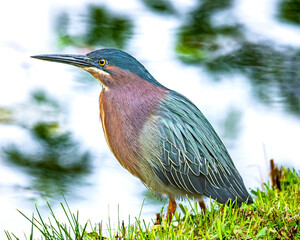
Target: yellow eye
102,62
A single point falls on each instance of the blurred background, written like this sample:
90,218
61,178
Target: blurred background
237,60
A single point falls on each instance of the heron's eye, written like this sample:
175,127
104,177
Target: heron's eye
102,62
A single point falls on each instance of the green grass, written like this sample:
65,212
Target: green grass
275,214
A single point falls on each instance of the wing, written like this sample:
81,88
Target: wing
193,156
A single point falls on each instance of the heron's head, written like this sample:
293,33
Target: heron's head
111,67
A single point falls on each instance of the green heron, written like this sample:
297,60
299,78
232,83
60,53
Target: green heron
157,134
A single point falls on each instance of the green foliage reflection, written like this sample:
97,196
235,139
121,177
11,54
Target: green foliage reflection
160,6
101,27
55,163
290,11
223,47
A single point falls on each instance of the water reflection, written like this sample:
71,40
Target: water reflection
204,34
208,37
101,27
55,163
223,47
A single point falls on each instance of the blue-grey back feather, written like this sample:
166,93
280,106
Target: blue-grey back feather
193,156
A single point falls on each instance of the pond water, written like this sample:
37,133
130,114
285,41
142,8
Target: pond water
238,61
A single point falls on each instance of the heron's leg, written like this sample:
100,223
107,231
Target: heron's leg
202,205
171,210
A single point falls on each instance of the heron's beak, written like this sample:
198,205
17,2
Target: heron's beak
81,61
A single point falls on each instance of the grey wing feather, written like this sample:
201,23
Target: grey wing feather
193,156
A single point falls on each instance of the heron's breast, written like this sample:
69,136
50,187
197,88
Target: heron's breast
123,115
